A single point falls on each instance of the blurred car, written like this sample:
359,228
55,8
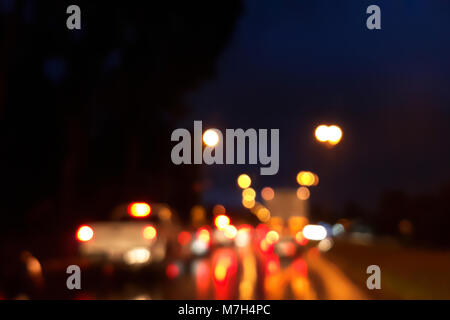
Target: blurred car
133,237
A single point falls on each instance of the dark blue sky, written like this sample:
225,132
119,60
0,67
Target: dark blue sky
294,64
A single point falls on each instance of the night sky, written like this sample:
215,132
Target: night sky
295,64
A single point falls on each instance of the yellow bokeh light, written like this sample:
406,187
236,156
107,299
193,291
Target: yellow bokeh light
331,134
230,231
248,203
272,237
248,194
256,207
322,133
222,221
204,235
220,272
267,193
306,178
244,181
211,137
300,239
263,214
334,134
149,232
303,193
221,269
297,223
264,245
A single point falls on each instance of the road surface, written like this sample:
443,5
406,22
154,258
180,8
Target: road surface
226,273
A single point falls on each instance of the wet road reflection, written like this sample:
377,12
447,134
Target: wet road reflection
240,273
226,272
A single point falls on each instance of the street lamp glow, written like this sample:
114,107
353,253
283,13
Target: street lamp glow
248,194
211,137
306,178
244,181
263,214
249,204
334,134
331,134
322,133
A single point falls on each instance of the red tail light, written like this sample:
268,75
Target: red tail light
139,209
184,237
85,233
172,271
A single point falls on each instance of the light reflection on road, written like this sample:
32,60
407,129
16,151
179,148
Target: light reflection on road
226,273
243,274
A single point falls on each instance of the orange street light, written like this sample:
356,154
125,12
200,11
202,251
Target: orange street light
244,181
331,134
211,137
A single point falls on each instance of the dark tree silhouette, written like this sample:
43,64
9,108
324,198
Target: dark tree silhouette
86,115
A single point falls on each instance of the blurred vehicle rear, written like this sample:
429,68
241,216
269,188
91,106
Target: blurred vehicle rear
130,242
137,235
